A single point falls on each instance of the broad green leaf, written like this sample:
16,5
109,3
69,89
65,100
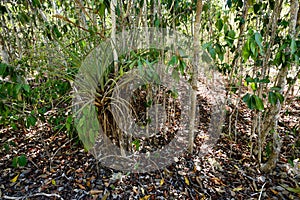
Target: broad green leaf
212,52
259,103
206,45
17,88
2,69
173,61
249,79
272,98
279,97
219,24
175,75
26,87
56,31
258,39
253,86
256,7
295,190
182,66
275,88
253,47
293,46
231,34
229,3
265,80
249,100
31,120
36,3
15,162
22,160
245,52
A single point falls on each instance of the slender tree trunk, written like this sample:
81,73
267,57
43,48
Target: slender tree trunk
195,75
272,119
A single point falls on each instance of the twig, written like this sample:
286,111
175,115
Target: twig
259,198
33,195
33,163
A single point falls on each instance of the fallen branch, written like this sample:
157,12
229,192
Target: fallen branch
34,195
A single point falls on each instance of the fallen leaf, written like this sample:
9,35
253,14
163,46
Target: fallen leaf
186,180
274,191
295,190
81,186
53,182
217,181
237,189
88,183
145,197
15,178
94,192
162,181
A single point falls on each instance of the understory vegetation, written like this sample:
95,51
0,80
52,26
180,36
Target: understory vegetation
252,51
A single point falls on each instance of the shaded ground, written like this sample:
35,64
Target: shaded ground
57,168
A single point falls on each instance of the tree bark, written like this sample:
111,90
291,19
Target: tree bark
272,119
195,75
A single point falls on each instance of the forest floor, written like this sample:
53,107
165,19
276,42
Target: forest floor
58,168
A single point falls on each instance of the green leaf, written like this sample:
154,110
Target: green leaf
258,39
253,86
253,47
249,79
293,46
275,88
272,98
229,3
3,67
249,100
265,80
175,75
15,162
259,103
26,87
56,31
31,120
36,3
182,66
212,52
17,88
256,7
245,52
295,190
219,24
231,34
206,45
22,160
136,144
279,97
173,60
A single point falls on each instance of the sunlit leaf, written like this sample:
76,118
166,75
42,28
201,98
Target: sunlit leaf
162,181
186,180
237,189
15,178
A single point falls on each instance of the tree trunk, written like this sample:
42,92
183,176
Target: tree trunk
195,75
270,123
